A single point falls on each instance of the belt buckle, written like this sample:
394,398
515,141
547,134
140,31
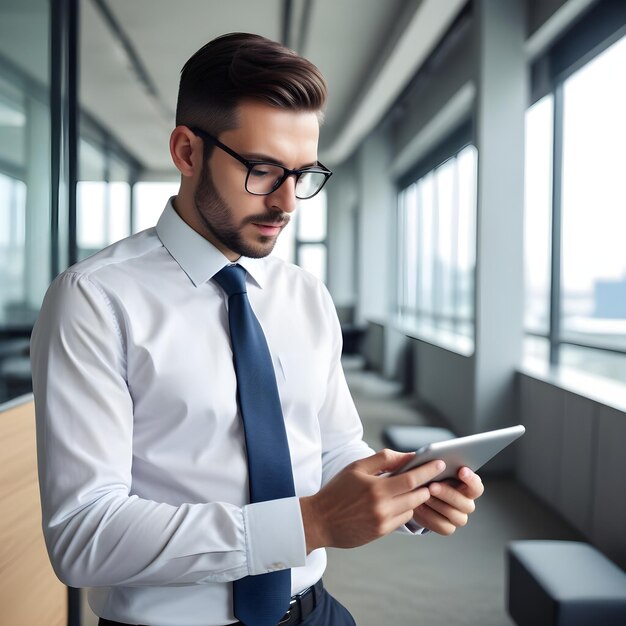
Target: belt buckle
287,616
297,599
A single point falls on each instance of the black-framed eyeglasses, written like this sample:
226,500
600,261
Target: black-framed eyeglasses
264,178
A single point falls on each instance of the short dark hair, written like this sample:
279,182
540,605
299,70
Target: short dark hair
242,66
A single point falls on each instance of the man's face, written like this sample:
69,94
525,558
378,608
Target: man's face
235,221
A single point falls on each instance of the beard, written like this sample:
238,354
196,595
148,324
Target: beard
217,218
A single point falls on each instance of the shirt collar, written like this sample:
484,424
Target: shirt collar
197,256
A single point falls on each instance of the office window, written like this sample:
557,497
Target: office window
303,240
437,249
310,241
447,240
579,320
12,242
426,249
537,215
465,261
407,248
149,201
593,284
102,199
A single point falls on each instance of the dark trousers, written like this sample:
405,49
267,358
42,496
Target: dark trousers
328,612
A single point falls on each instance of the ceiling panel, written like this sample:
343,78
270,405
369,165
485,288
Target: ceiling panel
349,40
167,33
346,41
111,93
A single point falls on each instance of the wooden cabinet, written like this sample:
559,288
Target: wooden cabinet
30,593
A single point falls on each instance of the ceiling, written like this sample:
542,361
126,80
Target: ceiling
131,54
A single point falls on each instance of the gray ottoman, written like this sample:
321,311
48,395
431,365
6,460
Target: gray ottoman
410,438
564,583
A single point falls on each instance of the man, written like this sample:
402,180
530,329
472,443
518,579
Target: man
145,439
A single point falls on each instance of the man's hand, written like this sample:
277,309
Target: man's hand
359,505
451,503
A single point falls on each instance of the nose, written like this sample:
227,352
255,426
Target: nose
284,198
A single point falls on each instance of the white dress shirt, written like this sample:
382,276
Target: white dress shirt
142,462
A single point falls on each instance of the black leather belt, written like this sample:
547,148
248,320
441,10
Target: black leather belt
300,607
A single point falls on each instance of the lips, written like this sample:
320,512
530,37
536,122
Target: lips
269,229
269,224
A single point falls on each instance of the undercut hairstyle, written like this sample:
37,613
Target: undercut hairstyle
237,67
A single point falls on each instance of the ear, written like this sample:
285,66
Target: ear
186,150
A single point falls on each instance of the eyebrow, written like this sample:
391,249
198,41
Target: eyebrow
266,158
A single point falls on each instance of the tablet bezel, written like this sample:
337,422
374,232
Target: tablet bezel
472,451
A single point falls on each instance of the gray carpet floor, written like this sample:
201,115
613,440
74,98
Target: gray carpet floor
435,581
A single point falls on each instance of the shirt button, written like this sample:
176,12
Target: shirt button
277,566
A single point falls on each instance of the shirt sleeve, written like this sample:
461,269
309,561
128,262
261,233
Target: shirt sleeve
342,430
96,532
340,424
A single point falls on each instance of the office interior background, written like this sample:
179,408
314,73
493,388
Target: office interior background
472,236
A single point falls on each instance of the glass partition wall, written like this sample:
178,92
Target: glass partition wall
25,179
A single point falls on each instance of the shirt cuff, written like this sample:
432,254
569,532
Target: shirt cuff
413,528
274,535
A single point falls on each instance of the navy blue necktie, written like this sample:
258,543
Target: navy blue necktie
258,600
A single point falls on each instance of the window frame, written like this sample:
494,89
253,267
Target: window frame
594,32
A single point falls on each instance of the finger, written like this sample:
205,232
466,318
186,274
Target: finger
401,508
409,501
391,513
383,461
473,485
453,515
427,517
408,481
452,495
402,520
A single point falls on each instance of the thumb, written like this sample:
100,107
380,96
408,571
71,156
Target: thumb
384,461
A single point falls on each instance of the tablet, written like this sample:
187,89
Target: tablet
472,451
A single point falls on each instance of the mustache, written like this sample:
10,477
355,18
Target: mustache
281,219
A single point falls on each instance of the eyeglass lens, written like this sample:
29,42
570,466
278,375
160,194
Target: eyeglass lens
264,178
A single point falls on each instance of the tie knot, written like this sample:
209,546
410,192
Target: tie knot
232,279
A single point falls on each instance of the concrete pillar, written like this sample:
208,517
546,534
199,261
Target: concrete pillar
500,108
342,203
377,211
